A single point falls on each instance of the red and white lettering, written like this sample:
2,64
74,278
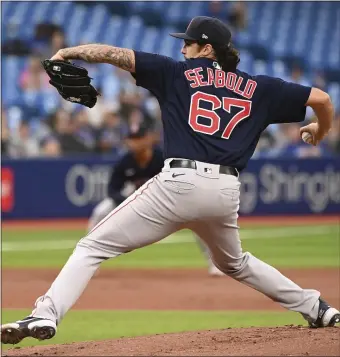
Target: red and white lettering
231,80
196,111
243,114
238,85
200,77
191,77
249,89
219,78
210,76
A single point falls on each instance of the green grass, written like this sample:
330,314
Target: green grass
300,247
99,325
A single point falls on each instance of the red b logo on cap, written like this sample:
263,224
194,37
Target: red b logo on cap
7,189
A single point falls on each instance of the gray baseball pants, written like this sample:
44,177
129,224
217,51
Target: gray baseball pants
202,200
103,208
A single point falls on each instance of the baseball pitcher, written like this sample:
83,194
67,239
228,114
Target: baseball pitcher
142,162
213,115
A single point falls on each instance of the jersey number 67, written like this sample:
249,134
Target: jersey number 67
196,111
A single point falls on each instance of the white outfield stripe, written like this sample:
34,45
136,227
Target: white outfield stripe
257,233
180,237
38,245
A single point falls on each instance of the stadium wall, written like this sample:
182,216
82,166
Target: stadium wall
71,187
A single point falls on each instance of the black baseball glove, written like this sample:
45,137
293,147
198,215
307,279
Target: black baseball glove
71,81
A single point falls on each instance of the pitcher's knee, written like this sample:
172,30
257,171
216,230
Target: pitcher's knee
107,243
98,249
232,266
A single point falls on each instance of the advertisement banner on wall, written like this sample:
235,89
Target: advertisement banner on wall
70,188
7,189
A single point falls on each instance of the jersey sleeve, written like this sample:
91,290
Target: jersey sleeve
287,101
155,73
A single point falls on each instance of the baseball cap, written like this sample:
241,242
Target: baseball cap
206,29
137,130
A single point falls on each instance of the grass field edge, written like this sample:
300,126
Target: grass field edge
81,223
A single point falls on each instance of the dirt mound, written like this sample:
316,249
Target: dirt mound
162,289
276,341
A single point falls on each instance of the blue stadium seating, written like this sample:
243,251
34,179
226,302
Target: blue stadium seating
278,33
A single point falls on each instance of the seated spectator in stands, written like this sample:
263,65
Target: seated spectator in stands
237,16
65,134
131,96
319,81
83,131
23,144
333,137
266,146
4,133
297,76
151,107
136,117
37,98
12,44
34,77
48,38
95,114
297,148
58,42
50,147
111,135
215,9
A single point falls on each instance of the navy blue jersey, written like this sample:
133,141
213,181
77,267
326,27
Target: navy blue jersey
213,116
127,172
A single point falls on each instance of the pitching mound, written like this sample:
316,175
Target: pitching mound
276,341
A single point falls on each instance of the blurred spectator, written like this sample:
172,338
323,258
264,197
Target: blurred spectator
135,118
50,147
65,133
265,146
49,38
43,32
23,144
237,15
83,131
4,133
58,42
319,81
13,44
334,135
215,9
34,77
298,76
131,96
95,114
111,135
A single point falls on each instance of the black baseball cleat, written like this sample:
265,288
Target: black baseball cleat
36,327
327,317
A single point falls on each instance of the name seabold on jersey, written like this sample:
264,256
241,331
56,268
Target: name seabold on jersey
220,79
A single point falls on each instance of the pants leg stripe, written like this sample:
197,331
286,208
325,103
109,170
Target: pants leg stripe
120,208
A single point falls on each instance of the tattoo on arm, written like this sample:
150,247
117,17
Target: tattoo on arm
95,53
